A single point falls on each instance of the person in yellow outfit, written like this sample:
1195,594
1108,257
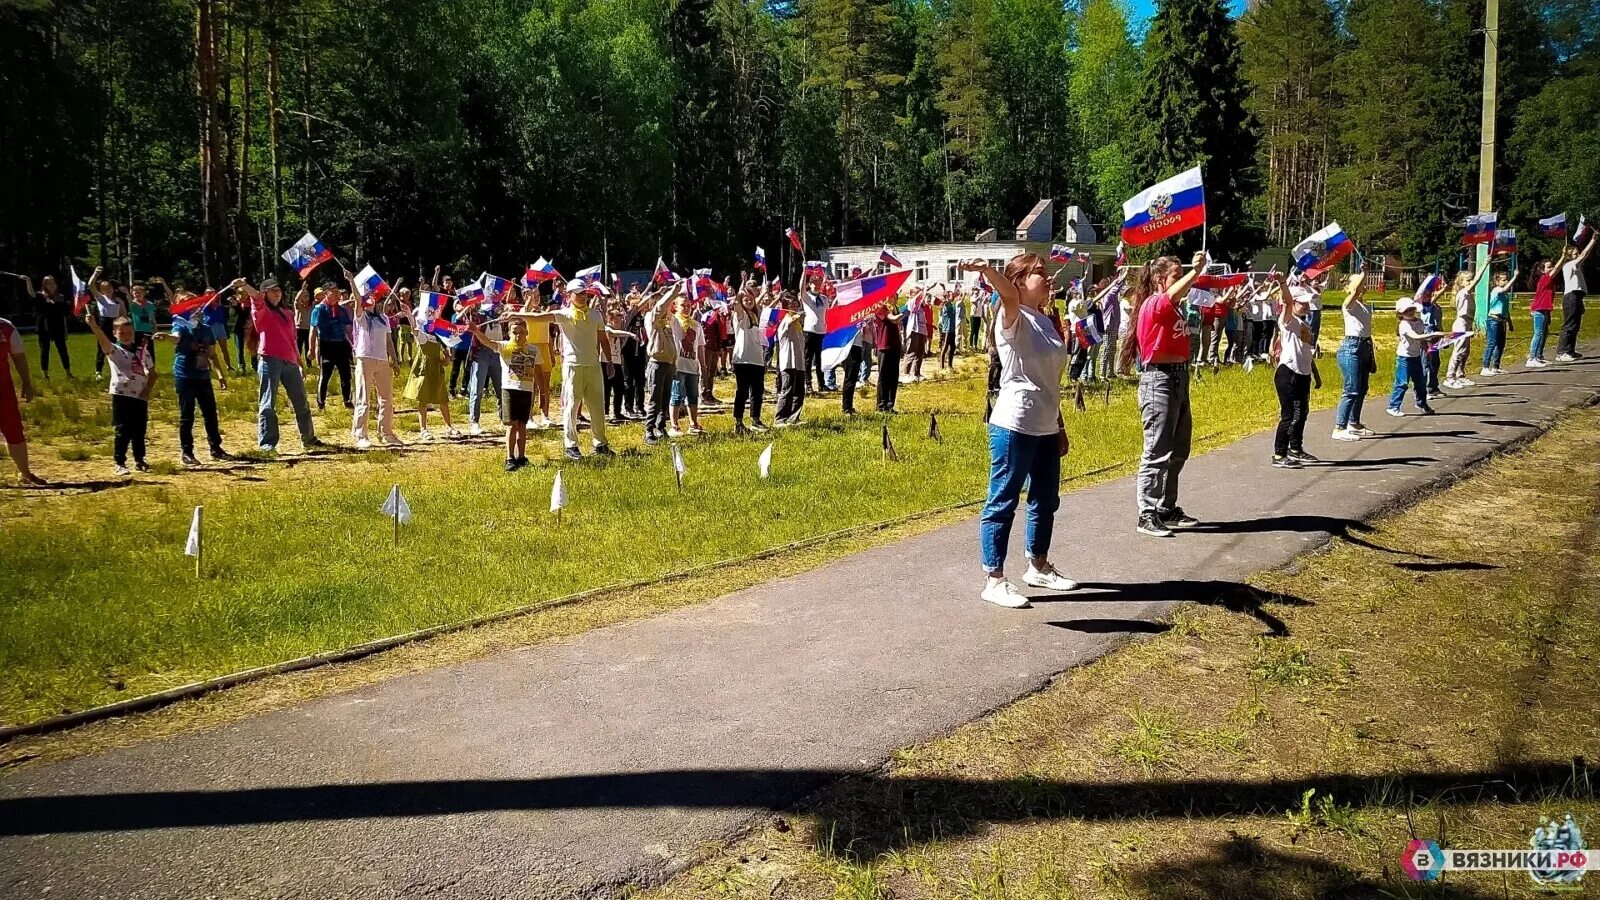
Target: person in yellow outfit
582,379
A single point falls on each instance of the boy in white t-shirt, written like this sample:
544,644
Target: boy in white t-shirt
132,379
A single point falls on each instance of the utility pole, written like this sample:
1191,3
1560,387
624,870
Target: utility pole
1491,73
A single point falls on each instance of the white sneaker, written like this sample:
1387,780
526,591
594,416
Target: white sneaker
541,421
1004,593
1362,431
476,430
674,431
1342,434
1485,373
452,433
1566,357
424,435
1048,578
363,444
1396,413
1465,382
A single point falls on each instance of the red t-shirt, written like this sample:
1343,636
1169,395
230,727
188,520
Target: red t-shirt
1163,332
1544,296
276,328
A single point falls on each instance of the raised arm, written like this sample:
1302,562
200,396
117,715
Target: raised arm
1010,297
1587,247
1180,288
106,346
1356,289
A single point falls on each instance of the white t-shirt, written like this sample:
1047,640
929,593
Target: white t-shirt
1411,342
106,306
791,347
1466,307
370,335
130,371
1572,274
691,341
749,338
815,313
580,341
1293,350
1032,358
1357,320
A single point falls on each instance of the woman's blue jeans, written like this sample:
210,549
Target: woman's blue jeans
1016,459
1353,356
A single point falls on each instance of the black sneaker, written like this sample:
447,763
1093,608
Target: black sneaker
651,438
1285,462
1428,411
142,466
314,443
512,466
222,456
1303,456
1177,518
604,450
1151,524
189,460
572,453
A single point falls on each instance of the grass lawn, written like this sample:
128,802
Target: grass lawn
101,604
1438,681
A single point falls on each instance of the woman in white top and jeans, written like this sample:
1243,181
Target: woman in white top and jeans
1293,378
1026,436
1357,362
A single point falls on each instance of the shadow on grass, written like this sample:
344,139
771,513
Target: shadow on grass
867,814
93,486
1240,866
1229,595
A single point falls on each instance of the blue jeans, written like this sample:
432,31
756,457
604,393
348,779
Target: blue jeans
1409,369
1014,459
1494,342
1353,356
485,371
686,390
1541,329
273,372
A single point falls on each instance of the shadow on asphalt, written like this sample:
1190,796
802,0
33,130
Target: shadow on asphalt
1229,595
1450,433
1374,463
863,815
1113,626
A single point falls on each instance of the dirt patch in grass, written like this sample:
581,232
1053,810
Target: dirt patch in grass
1439,681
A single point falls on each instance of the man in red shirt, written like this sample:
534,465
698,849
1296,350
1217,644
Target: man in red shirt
279,364
1161,340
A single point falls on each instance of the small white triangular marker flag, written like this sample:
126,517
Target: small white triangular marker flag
1249,364
677,460
765,462
192,547
397,507
558,494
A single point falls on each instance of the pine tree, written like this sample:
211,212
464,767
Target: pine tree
1289,48
1191,112
969,106
1103,89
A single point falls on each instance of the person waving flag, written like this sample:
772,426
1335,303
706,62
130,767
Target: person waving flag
495,288
306,254
80,293
794,240
372,286
663,275
1322,250
1165,209
1060,254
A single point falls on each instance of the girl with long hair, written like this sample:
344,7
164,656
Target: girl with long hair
1027,437
1465,288
1159,339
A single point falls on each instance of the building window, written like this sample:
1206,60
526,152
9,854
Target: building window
922,270
841,271
998,265
952,274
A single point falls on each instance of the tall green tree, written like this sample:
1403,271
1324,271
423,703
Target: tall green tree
971,112
1103,90
1191,112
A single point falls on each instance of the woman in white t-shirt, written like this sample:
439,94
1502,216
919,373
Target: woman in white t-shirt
1027,437
1465,288
1573,288
1292,378
1357,362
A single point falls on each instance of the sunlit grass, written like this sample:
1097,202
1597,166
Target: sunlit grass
100,603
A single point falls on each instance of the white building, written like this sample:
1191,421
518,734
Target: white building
935,263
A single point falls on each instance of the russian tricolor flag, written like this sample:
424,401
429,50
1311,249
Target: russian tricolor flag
1122,254
1582,234
1322,250
1163,210
760,260
1480,229
306,254
1505,242
1555,226
852,306
769,323
887,257
543,270
1060,254
189,305
1428,287
428,304
80,293
469,296
371,285
1088,330
663,275
495,288
794,240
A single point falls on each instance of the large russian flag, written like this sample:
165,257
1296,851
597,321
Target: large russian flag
1163,210
1322,250
190,304
1480,229
80,293
306,254
852,306
1220,282
1555,226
